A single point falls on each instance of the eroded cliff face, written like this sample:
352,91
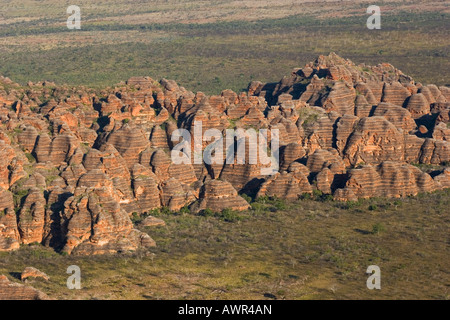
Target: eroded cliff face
76,164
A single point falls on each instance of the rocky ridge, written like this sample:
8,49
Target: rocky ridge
77,164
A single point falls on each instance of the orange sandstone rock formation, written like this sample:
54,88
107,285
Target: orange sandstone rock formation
76,167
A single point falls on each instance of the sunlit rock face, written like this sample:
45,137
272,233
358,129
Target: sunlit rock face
76,169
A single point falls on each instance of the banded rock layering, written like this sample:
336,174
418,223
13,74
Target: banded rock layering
16,291
77,164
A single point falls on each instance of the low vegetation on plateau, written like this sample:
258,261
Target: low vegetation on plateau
212,45
307,250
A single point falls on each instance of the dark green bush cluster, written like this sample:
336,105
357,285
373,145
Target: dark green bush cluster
166,211
185,209
258,207
154,212
318,195
227,214
378,228
348,204
206,213
30,157
18,196
247,198
136,217
266,203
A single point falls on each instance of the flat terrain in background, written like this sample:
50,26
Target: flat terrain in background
213,45
307,250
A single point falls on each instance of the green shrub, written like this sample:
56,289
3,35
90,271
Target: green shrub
317,194
266,203
359,165
305,196
232,123
154,212
378,228
397,203
280,204
263,199
206,213
347,204
326,197
229,215
247,197
135,217
17,130
50,179
166,211
259,207
18,196
185,209
373,207
30,157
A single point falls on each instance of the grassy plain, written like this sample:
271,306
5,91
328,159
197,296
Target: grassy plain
211,46
305,250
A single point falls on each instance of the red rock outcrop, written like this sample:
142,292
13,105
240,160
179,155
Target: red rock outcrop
145,188
130,142
389,179
9,233
16,291
174,196
418,105
96,224
322,159
76,166
398,116
374,140
285,185
219,195
30,272
31,217
395,93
